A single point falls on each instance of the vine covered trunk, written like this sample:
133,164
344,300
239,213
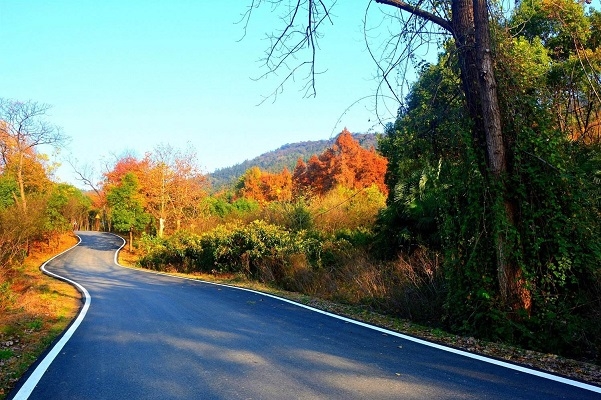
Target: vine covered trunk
471,31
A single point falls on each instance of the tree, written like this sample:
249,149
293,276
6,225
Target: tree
170,184
346,164
67,207
22,129
123,166
126,211
440,198
174,186
571,43
97,200
264,186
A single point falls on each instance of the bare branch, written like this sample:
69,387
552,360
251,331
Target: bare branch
397,54
415,10
84,174
302,23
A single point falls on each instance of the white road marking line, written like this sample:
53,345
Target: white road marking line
37,374
479,357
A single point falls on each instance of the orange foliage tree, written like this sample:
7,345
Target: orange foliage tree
170,182
23,128
264,186
174,187
346,164
124,166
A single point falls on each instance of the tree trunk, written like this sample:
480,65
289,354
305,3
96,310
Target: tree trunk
21,183
472,37
131,240
161,227
491,112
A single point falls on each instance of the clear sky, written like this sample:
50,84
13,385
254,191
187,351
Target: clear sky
128,75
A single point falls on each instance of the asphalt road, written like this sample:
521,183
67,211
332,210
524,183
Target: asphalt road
148,336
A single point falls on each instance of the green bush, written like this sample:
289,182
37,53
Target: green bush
178,252
360,236
227,248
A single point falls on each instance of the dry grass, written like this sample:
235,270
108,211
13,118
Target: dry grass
40,308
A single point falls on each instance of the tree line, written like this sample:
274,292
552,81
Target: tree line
165,192
285,156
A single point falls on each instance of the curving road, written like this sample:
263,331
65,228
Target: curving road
149,336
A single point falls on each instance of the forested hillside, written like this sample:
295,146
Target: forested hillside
285,156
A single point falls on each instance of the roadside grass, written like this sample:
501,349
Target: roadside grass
40,309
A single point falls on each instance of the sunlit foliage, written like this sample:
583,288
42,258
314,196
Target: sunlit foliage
345,164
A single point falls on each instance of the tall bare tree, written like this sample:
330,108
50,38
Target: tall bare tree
22,130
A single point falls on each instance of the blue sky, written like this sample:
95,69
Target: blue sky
130,75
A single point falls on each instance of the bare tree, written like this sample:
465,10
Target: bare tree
85,173
420,21
24,128
174,186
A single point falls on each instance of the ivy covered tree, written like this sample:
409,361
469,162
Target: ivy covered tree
440,196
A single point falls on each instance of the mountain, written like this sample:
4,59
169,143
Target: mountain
286,156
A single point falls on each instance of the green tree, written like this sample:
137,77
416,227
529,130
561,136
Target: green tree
429,139
126,207
67,208
8,187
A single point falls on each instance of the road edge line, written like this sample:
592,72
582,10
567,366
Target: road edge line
27,388
489,360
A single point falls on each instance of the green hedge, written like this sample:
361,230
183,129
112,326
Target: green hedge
234,248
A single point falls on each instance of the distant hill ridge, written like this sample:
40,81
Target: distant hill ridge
286,156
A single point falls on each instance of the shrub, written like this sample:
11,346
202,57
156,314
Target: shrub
344,208
295,216
227,248
177,252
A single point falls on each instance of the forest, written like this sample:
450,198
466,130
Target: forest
423,226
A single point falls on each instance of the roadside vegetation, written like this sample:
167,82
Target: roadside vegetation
37,216
35,309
